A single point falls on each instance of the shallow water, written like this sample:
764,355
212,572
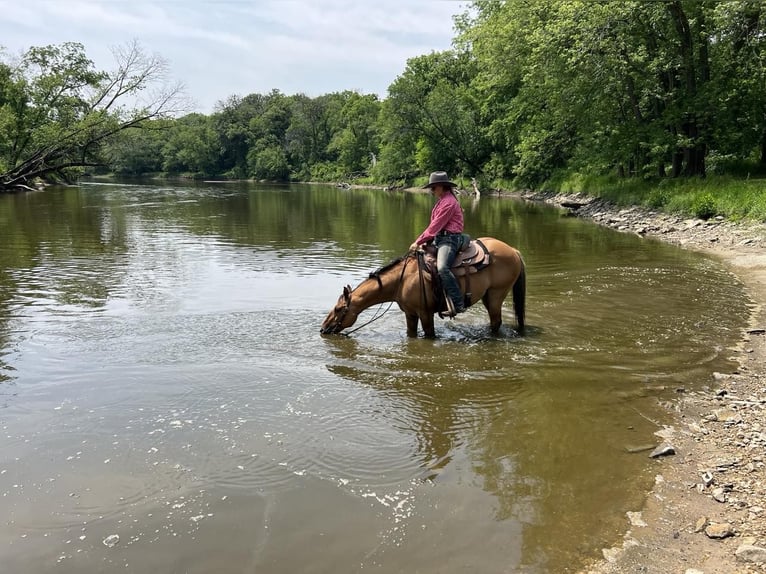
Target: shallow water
162,379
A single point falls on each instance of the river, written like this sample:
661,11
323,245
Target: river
167,403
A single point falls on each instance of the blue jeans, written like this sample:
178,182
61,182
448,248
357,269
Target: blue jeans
446,250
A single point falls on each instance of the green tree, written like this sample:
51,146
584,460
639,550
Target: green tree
642,87
309,134
432,118
137,151
267,154
192,147
57,111
355,141
739,50
269,162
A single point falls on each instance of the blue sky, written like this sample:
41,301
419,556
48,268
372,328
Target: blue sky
219,48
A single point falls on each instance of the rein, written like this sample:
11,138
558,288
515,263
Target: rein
421,265
376,275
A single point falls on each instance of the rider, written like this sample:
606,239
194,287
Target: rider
445,229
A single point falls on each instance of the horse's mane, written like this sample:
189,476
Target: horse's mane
375,274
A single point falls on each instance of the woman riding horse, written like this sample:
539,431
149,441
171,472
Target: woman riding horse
405,282
446,232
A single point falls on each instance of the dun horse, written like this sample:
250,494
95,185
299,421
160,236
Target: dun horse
405,282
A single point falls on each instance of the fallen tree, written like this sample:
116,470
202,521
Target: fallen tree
57,111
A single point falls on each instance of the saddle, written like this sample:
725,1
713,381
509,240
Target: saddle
472,256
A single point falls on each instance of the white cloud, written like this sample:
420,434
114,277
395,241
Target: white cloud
222,48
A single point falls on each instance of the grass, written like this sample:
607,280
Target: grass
730,197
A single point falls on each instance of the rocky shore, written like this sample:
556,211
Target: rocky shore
706,513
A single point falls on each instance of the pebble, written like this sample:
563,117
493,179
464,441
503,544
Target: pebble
719,495
701,523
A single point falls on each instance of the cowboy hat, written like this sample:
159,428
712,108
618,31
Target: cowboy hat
439,178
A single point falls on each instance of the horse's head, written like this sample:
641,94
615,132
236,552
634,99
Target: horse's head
341,316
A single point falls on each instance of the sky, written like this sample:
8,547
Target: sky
222,48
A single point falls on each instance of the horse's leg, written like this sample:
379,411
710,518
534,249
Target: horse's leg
412,325
428,326
493,302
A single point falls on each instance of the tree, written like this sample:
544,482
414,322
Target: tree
138,151
269,163
57,112
355,140
192,147
646,89
309,133
433,117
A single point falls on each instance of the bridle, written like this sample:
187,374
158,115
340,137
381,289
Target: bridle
376,275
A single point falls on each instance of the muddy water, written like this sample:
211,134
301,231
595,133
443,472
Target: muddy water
167,403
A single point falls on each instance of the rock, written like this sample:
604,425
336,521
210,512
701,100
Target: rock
727,416
574,205
701,523
751,553
719,531
719,494
664,449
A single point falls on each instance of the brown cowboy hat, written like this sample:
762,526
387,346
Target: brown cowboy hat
439,178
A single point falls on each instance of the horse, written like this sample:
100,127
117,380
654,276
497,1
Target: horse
404,281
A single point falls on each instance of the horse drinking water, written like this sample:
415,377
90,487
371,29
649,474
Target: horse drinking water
405,281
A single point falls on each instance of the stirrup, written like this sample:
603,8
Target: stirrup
451,311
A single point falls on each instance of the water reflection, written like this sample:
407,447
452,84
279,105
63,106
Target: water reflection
530,444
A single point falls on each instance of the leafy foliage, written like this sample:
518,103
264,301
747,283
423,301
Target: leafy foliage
57,112
532,93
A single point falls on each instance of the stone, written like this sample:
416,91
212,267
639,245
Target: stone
664,449
719,494
701,523
751,553
719,530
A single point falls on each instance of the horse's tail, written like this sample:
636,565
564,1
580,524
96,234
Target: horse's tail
520,296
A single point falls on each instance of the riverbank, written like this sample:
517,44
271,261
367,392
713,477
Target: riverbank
706,513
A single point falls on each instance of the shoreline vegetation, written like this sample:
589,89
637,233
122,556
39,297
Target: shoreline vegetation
623,92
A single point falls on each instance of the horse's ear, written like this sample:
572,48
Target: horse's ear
347,292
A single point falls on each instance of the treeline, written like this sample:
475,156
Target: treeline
530,90
262,136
